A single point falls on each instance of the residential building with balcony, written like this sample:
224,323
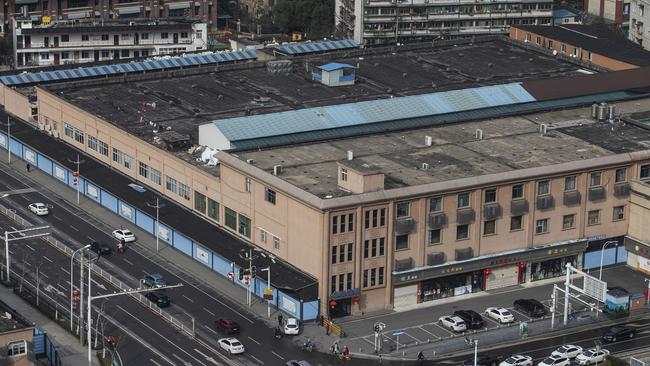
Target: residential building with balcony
616,12
640,23
73,42
398,21
440,173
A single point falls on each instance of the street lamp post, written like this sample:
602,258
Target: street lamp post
71,283
647,295
475,343
157,206
602,256
21,237
9,123
76,173
268,285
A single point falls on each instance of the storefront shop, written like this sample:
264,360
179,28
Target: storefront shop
426,284
605,251
638,254
340,302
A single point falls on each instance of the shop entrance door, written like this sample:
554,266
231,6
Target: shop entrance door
502,277
342,308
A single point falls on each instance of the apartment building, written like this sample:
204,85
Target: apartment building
390,203
16,338
640,23
73,42
398,21
205,11
616,12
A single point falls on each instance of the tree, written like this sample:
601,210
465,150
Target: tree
613,361
314,17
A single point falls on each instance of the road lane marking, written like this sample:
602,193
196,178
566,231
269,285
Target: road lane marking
43,274
188,299
61,286
426,331
256,359
127,261
258,343
56,217
48,259
28,246
154,362
65,270
73,228
443,328
277,355
209,311
210,329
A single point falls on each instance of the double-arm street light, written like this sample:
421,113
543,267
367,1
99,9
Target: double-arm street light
22,234
71,283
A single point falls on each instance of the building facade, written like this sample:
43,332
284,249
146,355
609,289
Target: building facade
16,339
62,43
640,23
612,11
204,11
384,22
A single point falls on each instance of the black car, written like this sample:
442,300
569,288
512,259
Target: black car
159,298
100,249
618,332
473,320
482,361
530,307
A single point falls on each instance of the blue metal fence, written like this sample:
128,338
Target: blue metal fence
43,347
167,234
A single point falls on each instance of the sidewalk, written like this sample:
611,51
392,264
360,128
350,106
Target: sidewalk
70,351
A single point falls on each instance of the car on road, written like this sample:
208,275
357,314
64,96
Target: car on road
159,298
592,356
502,315
452,322
517,360
125,234
226,326
618,333
231,345
568,350
100,249
530,307
472,319
555,361
482,360
39,209
297,363
291,327
154,280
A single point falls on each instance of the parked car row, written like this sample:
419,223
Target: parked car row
565,354
463,320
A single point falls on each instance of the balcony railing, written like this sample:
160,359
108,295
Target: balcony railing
597,193
405,226
492,211
622,190
437,220
465,216
572,198
519,207
545,202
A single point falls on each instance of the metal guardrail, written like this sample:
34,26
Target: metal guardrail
105,275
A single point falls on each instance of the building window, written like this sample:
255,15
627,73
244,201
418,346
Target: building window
144,170
644,172
170,184
122,158
568,222
68,130
382,246
231,218
570,183
85,54
435,236
164,35
463,199
65,55
593,217
366,248
538,40
341,282
45,55
103,148
125,53
489,227
382,217
183,34
341,253
65,38
269,195
349,251
365,278
333,285
541,226
17,348
380,276
213,209
276,243
516,223
85,38
105,54
595,179
344,175
335,226
563,48
342,224
550,44
244,226
589,56
348,281
155,175
462,232
517,191
248,185
490,195
621,175
78,136
200,202
263,236
104,37
403,209
401,242
435,204
144,36
619,213
366,219
543,187
92,143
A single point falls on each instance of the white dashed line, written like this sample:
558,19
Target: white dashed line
208,311
188,299
277,355
65,270
48,259
28,246
258,343
127,261
257,359
73,228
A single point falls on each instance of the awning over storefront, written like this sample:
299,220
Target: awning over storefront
129,11
514,257
25,2
77,15
638,247
180,5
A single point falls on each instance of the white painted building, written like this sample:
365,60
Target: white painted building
71,42
640,23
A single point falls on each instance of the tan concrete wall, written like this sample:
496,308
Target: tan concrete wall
16,104
639,211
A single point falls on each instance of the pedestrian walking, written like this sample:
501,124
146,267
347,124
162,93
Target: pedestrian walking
280,319
29,167
327,328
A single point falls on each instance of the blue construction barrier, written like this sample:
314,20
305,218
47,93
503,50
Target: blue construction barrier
43,347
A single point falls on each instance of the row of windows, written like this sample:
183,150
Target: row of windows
237,222
373,277
342,253
177,187
203,203
342,223
264,239
122,158
73,133
344,282
374,218
374,247
150,173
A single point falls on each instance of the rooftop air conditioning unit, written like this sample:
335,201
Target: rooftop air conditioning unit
277,169
543,129
428,140
478,134
425,166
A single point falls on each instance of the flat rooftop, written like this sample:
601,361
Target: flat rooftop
184,103
509,143
10,320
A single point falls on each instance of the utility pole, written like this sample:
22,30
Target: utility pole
553,302
567,284
157,206
22,235
75,175
80,325
71,284
9,123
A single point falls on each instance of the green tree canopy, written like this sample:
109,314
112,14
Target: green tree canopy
314,17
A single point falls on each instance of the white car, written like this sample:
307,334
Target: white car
517,360
453,322
592,356
292,327
124,234
568,350
231,345
502,315
39,208
555,361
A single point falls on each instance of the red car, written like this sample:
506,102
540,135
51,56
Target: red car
227,326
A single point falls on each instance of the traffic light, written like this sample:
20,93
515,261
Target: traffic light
241,274
254,271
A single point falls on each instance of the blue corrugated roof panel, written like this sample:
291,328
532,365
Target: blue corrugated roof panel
369,112
157,65
5,80
23,79
82,72
175,62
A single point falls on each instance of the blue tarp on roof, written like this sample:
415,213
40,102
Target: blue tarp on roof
311,47
335,66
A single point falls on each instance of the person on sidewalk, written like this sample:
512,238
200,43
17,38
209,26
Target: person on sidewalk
29,167
420,356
